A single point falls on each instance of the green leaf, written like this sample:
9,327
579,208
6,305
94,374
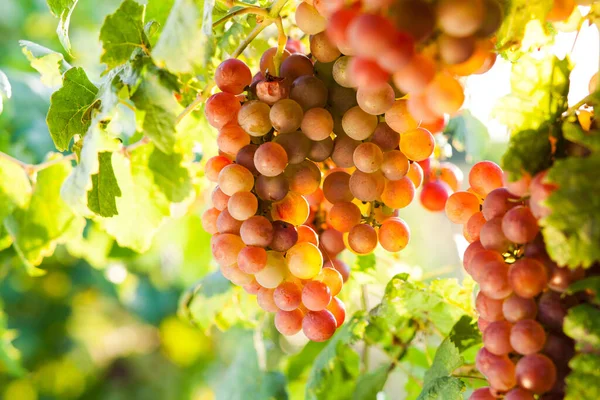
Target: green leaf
245,379
15,188
5,89
529,151
67,115
572,230
50,64
444,388
465,334
371,383
105,188
160,110
123,33
63,9
366,263
170,176
336,369
183,45
142,207
589,285
574,133
582,324
520,13
46,221
298,363
539,89
582,382
10,358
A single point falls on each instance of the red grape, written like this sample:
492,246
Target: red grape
536,372
233,76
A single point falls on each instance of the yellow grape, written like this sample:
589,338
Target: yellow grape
362,239
293,209
461,206
399,119
368,157
415,174
234,178
337,308
417,145
242,205
444,95
274,272
254,118
358,124
322,49
304,260
398,194
343,216
317,124
332,278
394,234
395,165
309,20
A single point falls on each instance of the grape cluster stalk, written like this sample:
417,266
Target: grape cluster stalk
522,301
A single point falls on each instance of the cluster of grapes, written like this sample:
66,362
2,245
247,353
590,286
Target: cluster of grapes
521,304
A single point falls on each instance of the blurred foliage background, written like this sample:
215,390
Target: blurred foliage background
103,323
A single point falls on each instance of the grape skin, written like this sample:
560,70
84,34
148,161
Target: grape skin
319,326
528,277
289,323
497,338
527,337
316,295
515,308
536,372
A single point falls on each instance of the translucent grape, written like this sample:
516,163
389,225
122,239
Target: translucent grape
323,49
416,75
536,372
394,234
225,248
338,309
368,157
444,95
231,139
540,191
515,308
338,26
336,187
417,144
227,224
257,231
486,176
252,259
254,119
561,10
304,178
358,124
434,195
332,278
418,107
213,167
460,18
252,287
316,295
288,323
367,187
270,159
496,338
309,20
528,277
233,76
264,297
461,206
242,205
274,273
398,194
399,119
343,216
473,226
293,209
307,234
222,109
369,35
317,124
286,116
376,100
415,174
285,236
527,337
472,250
288,296
209,221
234,178
304,260
362,239
339,266
519,225
319,326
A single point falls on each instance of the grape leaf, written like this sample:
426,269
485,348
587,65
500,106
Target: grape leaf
572,230
539,89
10,358
5,89
298,363
582,324
15,188
160,110
371,383
582,382
50,64
589,285
365,263
183,45
529,151
142,207
46,221
105,188
170,176
67,115
122,33
246,380
336,369
519,13
465,334
63,9
574,133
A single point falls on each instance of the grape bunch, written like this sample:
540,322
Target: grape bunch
521,303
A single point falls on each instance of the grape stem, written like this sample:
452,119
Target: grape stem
242,11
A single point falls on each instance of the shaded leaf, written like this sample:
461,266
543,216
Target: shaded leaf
371,383
589,285
105,188
15,188
50,64
529,151
582,382
66,116
63,9
10,358
170,176
366,263
582,324
574,133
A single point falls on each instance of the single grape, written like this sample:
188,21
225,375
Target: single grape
339,266
496,338
307,234
473,226
472,250
270,91
336,187
295,66
341,72
536,373
319,326
257,231
320,150
362,239
323,49
225,248
245,158
358,124
267,64
286,116
394,234
397,56
304,260
332,243
434,195
242,205
343,151
488,308
235,275
304,178
460,18
461,206
492,19
540,191
295,144
343,216
293,209
483,393
288,296
317,124
288,323
519,394
222,109
519,225
274,273
498,202
338,309
233,76
528,277
416,75
252,259
309,20
235,178
332,278
492,237
399,119
341,99
227,224
499,370
560,349
493,280
376,100
285,236
444,95
368,157
386,138
213,167
476,267
270,159
254,119
365,72
527,337
316,295
367,187
231,139
209,221
309,92
398,194
415,174
486,176
519,187
417,144
369,35
515,308
264,297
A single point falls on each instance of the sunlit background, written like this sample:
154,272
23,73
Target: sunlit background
103,323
